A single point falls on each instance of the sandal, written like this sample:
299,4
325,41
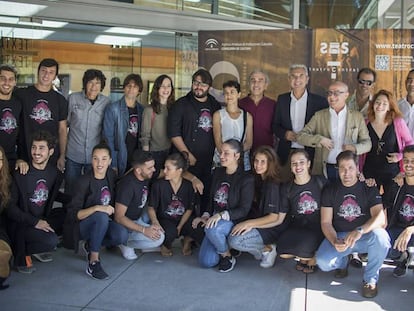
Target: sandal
166,252
300,266
308,269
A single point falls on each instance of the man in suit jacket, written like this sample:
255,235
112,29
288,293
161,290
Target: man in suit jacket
333,130
294,110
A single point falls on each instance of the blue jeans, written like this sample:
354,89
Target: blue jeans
250,242
137,239
394,232
72,171
100,230
214,243
376,243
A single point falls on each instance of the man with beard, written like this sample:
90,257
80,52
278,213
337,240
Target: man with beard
10,109
33,221
399,202
352,220
131,199
190,127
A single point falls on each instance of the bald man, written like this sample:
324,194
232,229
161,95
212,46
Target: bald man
333,130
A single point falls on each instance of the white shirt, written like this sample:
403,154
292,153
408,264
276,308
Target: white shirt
298,114
338,126
408,113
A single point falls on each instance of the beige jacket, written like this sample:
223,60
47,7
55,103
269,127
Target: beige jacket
319,126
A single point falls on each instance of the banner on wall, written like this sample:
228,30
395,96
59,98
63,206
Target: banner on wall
329,54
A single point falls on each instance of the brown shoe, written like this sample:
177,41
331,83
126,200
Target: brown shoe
5,254
342,273
187,246
369,290
166,252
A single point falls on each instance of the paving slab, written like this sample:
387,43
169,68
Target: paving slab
324,292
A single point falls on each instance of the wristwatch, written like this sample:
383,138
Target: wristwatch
360,230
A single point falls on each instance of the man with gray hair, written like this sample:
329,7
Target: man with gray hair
333,130
261,108
293,110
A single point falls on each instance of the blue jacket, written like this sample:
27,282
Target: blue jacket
115,128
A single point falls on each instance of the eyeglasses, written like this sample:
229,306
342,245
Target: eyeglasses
365,82
334,93
199,83
380,146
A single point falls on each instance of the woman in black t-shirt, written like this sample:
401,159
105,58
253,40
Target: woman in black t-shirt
302,202
171,204
231,197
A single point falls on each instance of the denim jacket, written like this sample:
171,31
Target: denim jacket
115,128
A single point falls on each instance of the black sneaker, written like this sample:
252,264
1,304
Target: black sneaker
401,269
95,271
227,263
235,253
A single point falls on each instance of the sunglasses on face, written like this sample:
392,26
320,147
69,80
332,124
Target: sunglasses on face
366,82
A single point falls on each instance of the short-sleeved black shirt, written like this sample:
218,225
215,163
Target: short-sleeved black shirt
132,193
351,205
168,204
41,111
9,125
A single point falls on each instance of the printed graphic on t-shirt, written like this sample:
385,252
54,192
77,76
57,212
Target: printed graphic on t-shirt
222,194
307,204
205,121
40,194
144,197
105,196
41,112
8,122
176,208
349,209
133,125
407,208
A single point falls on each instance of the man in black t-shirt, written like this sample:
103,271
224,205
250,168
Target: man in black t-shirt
131,199
43,108
10,110
190,127
32,223
352,220
399,202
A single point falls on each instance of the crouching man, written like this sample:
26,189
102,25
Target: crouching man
352,220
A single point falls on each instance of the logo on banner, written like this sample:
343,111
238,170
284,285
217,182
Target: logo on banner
334,48
211,45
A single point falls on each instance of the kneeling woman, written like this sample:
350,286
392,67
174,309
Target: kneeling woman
258,234
302,198
89,212
231,197
171,205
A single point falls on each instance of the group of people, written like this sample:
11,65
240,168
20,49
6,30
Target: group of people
298,177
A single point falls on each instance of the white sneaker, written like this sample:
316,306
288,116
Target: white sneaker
268,258
128,252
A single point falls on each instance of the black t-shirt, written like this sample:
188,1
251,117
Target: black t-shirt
131,139
267,199
351,205
132,193
302,202
100,192
41,111
168,204
405,212
39,184
9,125
221,195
